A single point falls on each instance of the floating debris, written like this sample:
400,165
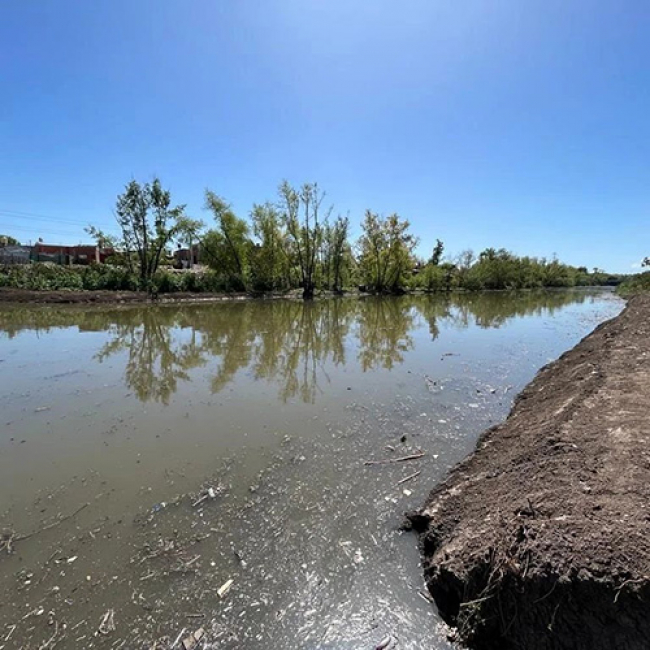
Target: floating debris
384,643
107,624
402,459
192,641
225,588
210,492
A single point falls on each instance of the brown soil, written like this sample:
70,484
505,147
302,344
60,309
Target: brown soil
108,297
539,540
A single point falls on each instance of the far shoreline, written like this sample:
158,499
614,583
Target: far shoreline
13,296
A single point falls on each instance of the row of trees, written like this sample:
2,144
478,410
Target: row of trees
295,242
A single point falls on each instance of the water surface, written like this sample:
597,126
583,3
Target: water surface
137,410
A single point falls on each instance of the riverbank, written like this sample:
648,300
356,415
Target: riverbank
64,296
106,297
539,539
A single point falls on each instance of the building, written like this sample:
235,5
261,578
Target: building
15,254
54,253
182,256
82,254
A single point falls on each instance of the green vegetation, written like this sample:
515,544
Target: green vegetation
50,277
635,284
226,246
501,269
301,217
638,283
107,277
386,261
148,224
287,245
6,240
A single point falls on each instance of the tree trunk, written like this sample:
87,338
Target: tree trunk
308,291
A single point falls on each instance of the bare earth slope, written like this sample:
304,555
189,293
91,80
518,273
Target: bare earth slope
540,538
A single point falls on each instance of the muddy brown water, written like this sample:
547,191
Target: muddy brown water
115,421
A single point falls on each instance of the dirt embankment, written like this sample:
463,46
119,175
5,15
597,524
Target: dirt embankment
540,539
110,297
67,296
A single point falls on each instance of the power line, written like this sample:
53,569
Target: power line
23,233
39,227
11,214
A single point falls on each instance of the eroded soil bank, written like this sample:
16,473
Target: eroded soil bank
65,296
539,540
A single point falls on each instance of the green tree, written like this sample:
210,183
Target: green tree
7,240
335,255
438,250
148,223
302,217
339,251
386,252
227,247
269,263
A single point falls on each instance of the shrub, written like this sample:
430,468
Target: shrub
167,282
636,284
48,277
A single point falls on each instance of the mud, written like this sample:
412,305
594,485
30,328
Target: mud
63,296
539,540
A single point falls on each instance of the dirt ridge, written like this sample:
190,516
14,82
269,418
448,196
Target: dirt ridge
539,539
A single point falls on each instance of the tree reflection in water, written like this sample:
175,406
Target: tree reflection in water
156,360
287,342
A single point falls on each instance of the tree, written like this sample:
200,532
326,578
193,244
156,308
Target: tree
6,240
227,247
646,262
438,250
449,270
386,252
102,239
301,214
148,224
339,247
269,267
464,262
335,252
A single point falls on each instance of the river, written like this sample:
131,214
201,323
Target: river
151,455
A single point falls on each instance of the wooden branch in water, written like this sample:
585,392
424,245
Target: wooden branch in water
409,477
415,456
58,522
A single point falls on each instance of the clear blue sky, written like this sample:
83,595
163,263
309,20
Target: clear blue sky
515,123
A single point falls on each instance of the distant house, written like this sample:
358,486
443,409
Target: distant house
82,254
182,256
15,254
54,253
